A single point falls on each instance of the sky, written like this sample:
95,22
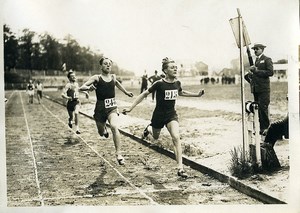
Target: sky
137,34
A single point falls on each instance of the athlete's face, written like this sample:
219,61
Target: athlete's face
172,70
72,77
106,66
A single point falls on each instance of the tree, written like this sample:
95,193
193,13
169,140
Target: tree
26,49
10,48
71,53
36,56
50,52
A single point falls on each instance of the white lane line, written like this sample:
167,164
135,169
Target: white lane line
109,194
117,171
33,156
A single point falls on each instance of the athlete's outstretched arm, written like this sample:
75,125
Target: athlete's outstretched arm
138,100
191,94
120,86
88,86
87,95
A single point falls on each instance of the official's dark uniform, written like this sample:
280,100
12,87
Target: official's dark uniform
260,87
153,79
166,95
106,103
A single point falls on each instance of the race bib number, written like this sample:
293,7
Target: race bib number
171,94
110,102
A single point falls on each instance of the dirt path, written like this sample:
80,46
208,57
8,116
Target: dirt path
47,164
208,139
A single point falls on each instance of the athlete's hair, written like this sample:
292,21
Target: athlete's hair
102,59
69,73
165,63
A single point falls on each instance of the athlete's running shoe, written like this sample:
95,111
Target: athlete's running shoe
106,135
182,173
121,160
78,132
70,124
145,132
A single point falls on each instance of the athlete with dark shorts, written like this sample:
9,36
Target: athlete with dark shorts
71,93
106,106
39,91
167,91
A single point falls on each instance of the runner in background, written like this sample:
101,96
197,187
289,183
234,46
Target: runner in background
106,107
167,90
39,91
71,93
30,91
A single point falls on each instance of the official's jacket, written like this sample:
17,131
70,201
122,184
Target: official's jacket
260,81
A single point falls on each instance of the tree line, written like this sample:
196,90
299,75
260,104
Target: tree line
33,51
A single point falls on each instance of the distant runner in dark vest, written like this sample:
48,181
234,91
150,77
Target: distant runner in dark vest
167,91
106,107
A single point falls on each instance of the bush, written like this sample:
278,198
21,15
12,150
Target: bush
240,167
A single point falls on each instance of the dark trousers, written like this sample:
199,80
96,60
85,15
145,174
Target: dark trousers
277,130
143,88
263,100
153,95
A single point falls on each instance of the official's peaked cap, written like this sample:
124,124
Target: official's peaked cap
258,45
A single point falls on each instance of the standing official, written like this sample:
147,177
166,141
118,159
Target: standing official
153,79
144,85
258,77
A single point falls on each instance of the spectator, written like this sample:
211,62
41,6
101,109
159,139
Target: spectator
153,79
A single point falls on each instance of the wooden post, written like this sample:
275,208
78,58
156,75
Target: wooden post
257,135
244,127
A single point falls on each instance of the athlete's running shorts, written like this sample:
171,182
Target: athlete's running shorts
40,93
161,119
30,92
101,113
71,105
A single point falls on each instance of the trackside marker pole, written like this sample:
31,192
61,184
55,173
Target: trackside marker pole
244,127
257,136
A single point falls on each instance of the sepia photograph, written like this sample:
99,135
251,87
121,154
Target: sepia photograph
150,106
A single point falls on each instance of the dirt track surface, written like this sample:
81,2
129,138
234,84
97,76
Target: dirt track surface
48,164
